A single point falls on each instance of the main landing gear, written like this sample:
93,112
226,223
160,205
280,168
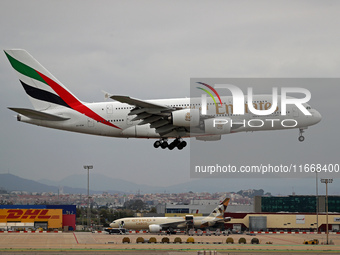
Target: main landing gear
163,143
301,137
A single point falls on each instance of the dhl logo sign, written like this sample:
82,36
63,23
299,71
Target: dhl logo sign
28,214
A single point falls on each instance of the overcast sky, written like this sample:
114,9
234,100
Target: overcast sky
151,49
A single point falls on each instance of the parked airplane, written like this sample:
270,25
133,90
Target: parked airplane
56,107
156,224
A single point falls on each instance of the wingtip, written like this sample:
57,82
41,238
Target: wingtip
107,95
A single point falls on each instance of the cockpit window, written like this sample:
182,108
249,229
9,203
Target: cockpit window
308,108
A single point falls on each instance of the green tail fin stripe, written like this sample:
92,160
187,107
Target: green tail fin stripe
24,69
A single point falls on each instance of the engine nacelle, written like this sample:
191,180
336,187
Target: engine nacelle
186,117
154,228
209,138
217,126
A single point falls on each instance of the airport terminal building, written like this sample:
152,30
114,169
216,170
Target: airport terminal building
288,213
275,213
200,207
32,217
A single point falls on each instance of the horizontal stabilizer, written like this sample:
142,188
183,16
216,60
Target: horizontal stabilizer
33,114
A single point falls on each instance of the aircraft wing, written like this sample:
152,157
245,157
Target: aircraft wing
138,102
173,224
157,115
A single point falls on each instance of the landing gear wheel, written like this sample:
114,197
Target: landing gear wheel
301,137
181,145
174,144
171,146
164,145
184,143
157,144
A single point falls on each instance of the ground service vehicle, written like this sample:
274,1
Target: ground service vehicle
313,241
118,231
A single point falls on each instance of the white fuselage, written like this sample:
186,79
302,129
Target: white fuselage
143,223
116,113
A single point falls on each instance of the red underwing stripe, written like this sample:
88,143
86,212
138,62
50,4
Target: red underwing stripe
73,102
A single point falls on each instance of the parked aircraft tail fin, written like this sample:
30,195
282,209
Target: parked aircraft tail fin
218,212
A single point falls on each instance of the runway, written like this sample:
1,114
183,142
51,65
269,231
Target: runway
102,243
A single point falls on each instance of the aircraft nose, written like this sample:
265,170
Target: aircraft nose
317,116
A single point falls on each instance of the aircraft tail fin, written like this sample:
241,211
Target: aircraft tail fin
218,212
43,89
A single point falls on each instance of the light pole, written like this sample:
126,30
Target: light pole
88,167
317,203
327,181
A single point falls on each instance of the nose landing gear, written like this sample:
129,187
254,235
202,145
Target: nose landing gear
301,137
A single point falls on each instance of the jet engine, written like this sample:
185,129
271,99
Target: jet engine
186,117
217,126
154,228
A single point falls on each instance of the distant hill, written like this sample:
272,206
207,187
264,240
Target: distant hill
77,184
252,193
101,182
12,182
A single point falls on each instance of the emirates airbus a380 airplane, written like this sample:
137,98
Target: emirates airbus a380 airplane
162,119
